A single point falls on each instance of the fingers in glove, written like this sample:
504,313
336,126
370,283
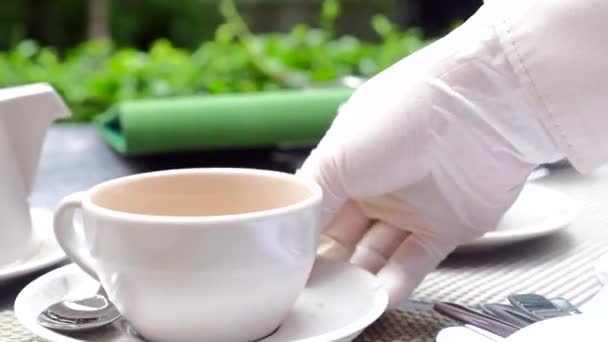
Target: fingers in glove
408,266
378,244
324,171
341,236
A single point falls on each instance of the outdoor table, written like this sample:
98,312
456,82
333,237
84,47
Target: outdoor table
75,158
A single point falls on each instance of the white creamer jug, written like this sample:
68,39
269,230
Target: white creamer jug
25,115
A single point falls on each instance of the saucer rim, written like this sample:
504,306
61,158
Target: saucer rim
344,333
351,330
555,224
43,234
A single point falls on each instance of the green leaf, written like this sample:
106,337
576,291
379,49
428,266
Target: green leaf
27,48
330,10
382,26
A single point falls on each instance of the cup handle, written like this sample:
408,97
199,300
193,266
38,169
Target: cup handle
66,236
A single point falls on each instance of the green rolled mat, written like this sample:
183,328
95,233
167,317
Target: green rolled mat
203,122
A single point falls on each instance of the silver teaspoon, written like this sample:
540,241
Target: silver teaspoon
81,314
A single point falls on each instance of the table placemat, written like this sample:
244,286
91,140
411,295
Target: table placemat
567,273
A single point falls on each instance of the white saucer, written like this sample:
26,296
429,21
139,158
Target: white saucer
538,211
47,252
585,327
339,301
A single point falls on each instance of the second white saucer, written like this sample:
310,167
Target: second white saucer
47,253
538,211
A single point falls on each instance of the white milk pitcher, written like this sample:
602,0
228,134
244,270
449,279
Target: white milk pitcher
25,115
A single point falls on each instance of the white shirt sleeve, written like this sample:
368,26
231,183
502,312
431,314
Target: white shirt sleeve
558,50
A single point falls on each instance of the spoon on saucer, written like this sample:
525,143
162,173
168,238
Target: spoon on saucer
78,315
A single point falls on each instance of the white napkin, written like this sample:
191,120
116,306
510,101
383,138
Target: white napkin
584,327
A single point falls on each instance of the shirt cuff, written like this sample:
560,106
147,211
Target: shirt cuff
557,49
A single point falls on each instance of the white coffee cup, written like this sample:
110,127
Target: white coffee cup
197,254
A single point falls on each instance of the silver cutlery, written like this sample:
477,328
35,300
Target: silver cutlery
503,320
79,315
540,307
469,316
565,306
508,314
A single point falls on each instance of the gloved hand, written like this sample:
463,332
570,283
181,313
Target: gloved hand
427,155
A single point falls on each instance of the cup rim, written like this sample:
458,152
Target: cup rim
315,197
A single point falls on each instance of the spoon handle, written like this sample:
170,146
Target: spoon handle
508,313
480,320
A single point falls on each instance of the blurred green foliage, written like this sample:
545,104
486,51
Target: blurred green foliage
96,74
62,23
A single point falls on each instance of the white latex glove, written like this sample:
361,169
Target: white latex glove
426,156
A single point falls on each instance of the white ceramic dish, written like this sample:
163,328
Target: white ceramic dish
585,327
48,252
339,301
538,211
